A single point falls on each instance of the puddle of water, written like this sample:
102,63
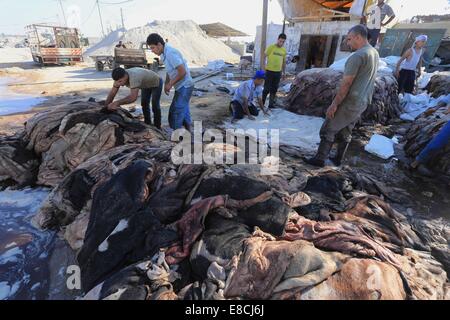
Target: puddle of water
24,250
11,102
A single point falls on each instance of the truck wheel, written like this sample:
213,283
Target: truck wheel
41,62
99,66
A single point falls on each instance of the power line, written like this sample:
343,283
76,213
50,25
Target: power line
64,14
100,15
90,14
114,3
121,15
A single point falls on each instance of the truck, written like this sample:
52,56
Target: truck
140,57
52,45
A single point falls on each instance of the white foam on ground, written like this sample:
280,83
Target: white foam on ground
294,129
25,198
20,267
12,255
5,290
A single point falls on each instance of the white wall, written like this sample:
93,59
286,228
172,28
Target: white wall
308,28
273,30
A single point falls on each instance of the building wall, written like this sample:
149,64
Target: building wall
328,28
307,28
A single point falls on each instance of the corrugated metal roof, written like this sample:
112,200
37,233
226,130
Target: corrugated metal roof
220,30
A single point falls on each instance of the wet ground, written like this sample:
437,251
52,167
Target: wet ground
414,194
33,262
24,250
11,102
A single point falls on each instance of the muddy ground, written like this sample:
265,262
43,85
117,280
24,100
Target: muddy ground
410,194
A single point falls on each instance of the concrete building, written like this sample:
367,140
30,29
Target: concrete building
315,30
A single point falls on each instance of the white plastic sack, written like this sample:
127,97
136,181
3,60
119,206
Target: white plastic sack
340,64
424,79
423,98
380,146
216,65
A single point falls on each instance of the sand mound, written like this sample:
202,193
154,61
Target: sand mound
194,44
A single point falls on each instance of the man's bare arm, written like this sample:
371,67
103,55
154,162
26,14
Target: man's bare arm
245,107
112,94
180,75
132,97
343,90
389,21
261,105
406,55
346,83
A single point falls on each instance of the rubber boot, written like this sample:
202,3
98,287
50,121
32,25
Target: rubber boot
340,154
322,154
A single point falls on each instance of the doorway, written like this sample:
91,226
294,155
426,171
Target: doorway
317,51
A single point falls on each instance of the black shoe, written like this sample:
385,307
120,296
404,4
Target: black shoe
315,162
322,154
340,154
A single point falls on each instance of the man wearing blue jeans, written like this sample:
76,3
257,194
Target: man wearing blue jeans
179,77
150,85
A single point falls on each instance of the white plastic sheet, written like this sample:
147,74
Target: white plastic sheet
380,146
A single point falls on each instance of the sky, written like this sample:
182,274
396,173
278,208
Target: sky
243,15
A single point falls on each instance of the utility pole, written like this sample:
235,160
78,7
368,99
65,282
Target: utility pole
121,15
64,14
101,21
263,34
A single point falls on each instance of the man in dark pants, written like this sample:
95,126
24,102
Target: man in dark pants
150,85
354,95
374,20
275,69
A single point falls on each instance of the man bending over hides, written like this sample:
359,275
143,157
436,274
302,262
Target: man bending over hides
138,78
247,95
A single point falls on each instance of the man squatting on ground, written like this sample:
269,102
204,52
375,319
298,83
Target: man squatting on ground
247,96
353,97
179,77
138,78
275,69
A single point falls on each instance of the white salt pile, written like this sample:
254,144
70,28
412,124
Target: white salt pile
196,47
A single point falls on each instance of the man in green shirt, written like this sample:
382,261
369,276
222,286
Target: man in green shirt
354,95
275,69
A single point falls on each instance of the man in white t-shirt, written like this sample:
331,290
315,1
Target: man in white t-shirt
375,17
